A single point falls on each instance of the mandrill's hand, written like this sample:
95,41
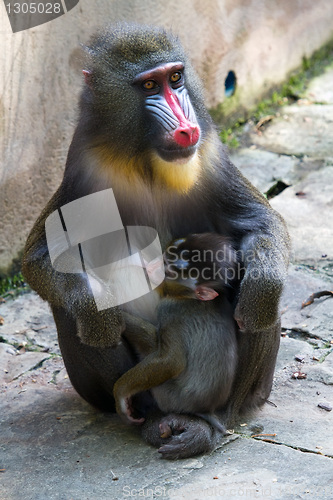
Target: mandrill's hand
256,315
102,328
258,304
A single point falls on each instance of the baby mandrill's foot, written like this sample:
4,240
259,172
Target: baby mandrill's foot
125,410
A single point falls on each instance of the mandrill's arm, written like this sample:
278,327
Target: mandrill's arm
265,260
263,247
69,291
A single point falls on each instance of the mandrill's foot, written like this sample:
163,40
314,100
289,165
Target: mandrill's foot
180,436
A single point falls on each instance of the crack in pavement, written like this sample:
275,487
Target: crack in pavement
280,443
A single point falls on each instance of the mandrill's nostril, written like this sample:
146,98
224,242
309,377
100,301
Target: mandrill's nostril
187,136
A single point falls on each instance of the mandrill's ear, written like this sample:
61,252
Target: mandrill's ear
87,77
205,293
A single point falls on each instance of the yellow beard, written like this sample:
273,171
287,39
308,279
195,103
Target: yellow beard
177,176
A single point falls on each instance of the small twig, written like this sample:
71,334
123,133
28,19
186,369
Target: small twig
38,328
316,295
264,120
22,332
262,435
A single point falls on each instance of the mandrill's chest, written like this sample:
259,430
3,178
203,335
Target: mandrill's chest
172,215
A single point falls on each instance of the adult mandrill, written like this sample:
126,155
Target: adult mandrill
143,131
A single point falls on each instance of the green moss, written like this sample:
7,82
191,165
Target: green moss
11,279
12,286
228,137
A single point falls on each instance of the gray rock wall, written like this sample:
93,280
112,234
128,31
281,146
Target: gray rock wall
40,79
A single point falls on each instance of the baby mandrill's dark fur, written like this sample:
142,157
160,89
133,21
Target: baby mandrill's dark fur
187,374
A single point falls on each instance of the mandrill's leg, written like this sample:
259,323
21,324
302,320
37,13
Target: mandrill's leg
93,371
257,357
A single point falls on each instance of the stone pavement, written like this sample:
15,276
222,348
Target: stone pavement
54,446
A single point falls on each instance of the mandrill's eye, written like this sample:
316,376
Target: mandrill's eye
149,85
176,77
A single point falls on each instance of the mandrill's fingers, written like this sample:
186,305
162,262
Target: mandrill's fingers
165,430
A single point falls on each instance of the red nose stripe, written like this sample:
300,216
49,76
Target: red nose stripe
187,134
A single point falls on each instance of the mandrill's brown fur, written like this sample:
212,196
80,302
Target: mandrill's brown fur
177,190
